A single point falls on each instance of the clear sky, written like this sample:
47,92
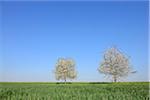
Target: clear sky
35,34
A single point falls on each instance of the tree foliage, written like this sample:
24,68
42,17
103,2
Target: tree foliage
65,69
115,64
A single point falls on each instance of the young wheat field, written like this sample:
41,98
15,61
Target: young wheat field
75,91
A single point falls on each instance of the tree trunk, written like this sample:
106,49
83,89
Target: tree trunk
65,80
114,78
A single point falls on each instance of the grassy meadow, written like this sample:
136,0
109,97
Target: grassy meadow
74,91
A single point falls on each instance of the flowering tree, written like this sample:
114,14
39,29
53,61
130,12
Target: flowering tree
65,69
115,64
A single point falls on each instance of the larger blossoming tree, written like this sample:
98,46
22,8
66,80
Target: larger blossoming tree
115,64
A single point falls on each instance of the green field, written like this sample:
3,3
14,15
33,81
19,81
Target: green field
75,91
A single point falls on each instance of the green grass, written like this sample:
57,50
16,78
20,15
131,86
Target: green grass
74,91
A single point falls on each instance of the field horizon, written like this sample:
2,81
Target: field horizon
80,82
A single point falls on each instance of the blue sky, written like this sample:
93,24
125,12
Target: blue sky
36,34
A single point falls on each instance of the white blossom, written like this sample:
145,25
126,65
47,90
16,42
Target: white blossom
65,69
115,64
